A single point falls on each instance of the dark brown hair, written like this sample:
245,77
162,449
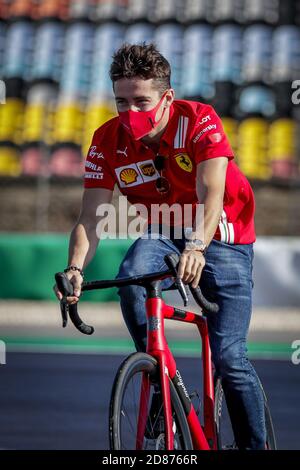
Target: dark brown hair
143,61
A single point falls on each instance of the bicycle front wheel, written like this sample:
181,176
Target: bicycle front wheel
134,372
224,431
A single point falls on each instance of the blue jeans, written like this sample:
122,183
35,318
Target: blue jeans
227,280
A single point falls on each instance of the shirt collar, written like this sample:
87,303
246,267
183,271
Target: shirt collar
170,131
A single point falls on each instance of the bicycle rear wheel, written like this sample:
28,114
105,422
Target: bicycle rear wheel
224,431
124,408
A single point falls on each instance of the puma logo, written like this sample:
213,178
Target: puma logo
123,152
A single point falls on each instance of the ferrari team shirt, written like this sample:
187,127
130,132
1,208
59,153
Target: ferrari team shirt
194,134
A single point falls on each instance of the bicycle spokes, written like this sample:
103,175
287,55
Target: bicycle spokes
142,422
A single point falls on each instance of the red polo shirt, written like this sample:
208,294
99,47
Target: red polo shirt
194,134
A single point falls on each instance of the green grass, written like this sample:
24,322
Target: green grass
125,346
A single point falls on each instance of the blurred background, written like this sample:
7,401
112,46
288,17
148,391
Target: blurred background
241,56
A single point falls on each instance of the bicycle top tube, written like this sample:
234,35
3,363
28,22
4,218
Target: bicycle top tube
140,280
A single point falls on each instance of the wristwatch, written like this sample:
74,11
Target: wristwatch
196,244
193,243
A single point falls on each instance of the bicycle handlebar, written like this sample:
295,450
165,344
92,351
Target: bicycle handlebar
65,287
172,259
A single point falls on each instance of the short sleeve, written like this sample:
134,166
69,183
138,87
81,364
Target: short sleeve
208,138
97,171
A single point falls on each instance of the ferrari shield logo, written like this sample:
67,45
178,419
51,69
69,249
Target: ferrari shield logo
184,161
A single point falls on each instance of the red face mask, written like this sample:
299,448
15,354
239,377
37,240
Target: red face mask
141,123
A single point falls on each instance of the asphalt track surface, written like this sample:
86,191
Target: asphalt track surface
60,401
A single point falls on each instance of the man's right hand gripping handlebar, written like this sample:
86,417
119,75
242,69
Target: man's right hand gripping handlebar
75,276
67,290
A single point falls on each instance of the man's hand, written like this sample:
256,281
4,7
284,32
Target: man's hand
191,265
76,280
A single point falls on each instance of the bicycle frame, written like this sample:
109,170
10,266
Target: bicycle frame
157,311
203,437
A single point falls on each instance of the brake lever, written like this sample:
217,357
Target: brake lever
172,260
66,289
64,309
182,290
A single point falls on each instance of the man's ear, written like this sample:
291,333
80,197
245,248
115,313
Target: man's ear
170,95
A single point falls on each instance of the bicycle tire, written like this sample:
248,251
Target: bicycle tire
132,365
219,410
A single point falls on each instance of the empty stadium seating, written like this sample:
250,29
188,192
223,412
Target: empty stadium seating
239,55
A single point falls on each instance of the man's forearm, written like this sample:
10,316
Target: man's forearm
83,244
206,225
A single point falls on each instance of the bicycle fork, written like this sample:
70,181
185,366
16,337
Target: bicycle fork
158,348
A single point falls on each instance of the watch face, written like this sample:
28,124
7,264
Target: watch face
195,245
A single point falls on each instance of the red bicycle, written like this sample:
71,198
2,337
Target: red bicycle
150,407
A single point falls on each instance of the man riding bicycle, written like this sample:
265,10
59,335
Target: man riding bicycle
161,150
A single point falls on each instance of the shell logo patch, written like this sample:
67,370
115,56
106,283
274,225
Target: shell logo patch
184,161
136,173
129,175
147,169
